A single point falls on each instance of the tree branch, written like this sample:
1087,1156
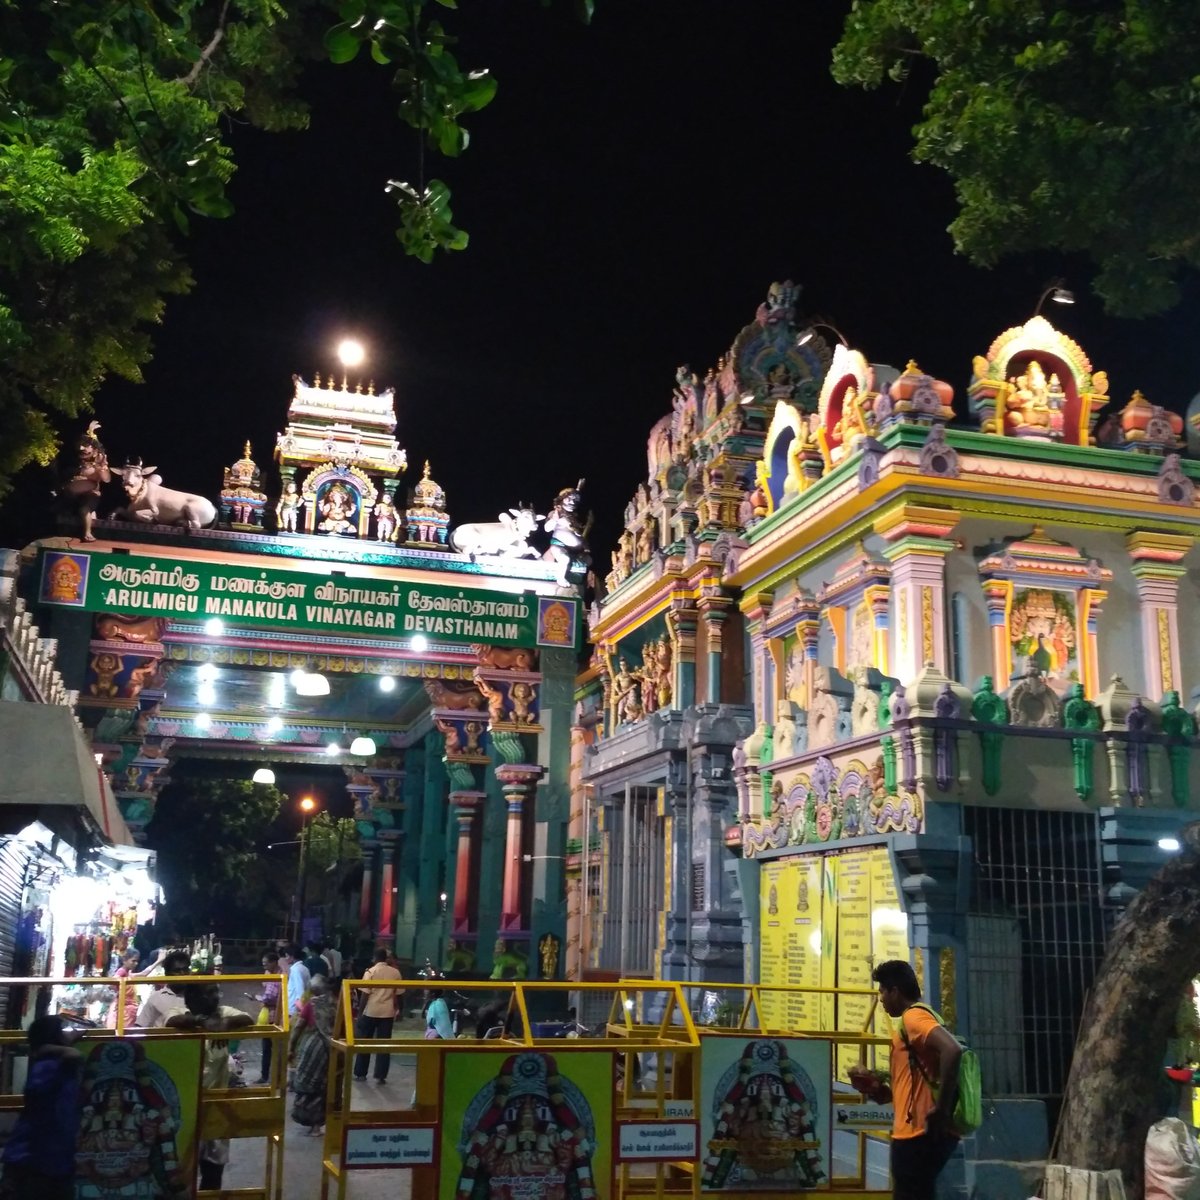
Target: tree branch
208,51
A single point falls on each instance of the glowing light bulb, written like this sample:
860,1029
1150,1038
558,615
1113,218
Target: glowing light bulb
419,643
275,724
203,721
387,683
214,627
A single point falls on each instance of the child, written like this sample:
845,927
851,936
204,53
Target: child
39,1158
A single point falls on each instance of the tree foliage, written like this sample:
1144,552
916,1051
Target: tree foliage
330,840
207,834
1065,124
114,120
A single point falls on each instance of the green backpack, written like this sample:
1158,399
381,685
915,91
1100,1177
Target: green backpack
968,1107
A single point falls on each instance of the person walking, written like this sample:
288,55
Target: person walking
378,1014
313,959
39,1156
310,1042
923,1050
333,956
205,1012
298,978
269,999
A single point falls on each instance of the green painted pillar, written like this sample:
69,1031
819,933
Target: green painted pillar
682,623
427,943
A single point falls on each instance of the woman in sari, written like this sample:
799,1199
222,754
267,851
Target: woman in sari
310,1046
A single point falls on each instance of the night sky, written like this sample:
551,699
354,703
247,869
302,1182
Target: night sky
630,194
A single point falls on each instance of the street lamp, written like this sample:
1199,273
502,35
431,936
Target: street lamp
1057,292
307,807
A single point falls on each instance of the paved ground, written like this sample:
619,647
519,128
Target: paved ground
302,1154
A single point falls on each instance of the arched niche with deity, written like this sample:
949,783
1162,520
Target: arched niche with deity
1035,382
845,406
791,460
338,501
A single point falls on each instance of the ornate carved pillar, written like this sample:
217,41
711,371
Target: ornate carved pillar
576,833
366,897
389,844
682,624
715,612
1157,559
918,543
756,609
464,806
518,781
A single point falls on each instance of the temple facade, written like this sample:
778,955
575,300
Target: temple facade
882,673
324,618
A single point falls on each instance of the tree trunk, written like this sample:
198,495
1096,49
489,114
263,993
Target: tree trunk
1116,1074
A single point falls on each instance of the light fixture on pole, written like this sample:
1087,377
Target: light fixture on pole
307,806
811,332
1056,291
264,775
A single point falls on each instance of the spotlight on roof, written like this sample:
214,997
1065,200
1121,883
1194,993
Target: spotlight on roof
1062,295
387,683
263,775
1057,291
214,627
1169,844
747,397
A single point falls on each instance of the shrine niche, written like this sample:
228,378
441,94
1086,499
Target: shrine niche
338,500
242,497
1035,382
845,408
1044,600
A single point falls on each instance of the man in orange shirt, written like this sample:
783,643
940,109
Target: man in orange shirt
923,1051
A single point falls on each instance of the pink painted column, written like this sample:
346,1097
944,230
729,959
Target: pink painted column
518,780
368,885
387,882
464,805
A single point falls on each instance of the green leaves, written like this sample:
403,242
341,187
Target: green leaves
426,222
1063,126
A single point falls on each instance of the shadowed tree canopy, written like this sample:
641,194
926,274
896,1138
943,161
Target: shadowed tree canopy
1071,125
207,833
114,135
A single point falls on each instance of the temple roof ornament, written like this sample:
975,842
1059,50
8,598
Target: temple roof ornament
1144,428
427,520
1036,382
242,497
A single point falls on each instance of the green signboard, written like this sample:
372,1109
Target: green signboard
185,589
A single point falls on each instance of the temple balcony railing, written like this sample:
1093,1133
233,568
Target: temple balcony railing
1026,749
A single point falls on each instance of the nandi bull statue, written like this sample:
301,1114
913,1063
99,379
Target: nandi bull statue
149,501
568,530
506,538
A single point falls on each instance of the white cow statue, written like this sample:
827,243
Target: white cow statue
505,538
149,501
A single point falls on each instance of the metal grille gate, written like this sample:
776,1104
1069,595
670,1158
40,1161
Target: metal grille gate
1036,933
634,887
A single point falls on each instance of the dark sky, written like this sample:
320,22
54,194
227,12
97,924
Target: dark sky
630,194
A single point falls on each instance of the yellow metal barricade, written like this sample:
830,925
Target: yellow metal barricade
242,1112
474,1100
749,1011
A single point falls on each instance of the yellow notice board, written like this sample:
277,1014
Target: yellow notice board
826,920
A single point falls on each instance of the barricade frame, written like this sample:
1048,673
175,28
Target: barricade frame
235,1113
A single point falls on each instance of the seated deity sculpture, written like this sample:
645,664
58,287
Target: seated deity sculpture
337,511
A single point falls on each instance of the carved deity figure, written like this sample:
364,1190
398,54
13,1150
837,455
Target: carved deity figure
665,677
288,508
337,511
548,950
568,530
648,675
645,542
521,695
1034,406
80,492
385,518
495,701
626,695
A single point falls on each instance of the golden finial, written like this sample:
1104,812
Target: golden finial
1138,399
317,379
426,474
329,383
246,451
912,368
358,388
371,388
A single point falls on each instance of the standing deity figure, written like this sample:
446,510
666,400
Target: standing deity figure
626,695
664,677
568,532
81,491
548,949
649,676
385,518
288,509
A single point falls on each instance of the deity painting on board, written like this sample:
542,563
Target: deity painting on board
1043,630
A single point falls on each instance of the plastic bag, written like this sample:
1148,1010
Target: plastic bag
1172,1162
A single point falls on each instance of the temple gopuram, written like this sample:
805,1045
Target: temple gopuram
320,615
883,671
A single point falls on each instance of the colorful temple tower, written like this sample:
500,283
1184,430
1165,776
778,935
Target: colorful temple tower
928,689
329,624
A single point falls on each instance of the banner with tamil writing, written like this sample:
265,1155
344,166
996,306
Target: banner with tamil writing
175,588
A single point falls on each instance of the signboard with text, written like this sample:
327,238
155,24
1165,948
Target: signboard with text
374,1146
157,586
